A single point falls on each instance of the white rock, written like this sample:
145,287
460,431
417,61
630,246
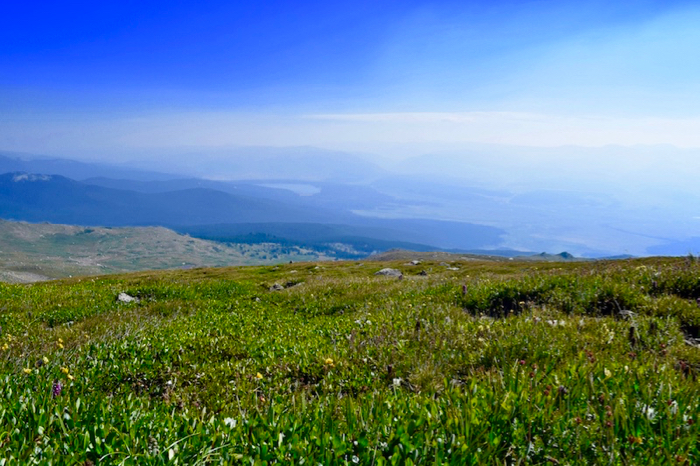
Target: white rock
125,298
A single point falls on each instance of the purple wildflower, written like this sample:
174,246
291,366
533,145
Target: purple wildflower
57,387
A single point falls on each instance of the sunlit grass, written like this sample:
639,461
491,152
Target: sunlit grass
514,363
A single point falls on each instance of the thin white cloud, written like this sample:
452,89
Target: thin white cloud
370,132
516,128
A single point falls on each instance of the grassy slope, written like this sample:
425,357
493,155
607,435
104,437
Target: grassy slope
529,366
29,252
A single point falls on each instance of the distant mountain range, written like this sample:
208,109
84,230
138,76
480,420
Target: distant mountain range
301,163
521,201
29,163
279,211
56,199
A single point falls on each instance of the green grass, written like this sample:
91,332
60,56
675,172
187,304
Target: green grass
532,365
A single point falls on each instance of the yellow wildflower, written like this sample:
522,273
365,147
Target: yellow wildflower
64,370
258,376
27,370
329,362
5,347
70,377
45,359
607,372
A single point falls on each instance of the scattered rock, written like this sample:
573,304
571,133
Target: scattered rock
278,287
414,262
125,298
452,268
390,273
423,273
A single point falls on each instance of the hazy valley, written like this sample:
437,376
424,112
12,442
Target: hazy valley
315,198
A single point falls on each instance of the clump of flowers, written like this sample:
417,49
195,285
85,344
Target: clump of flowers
329,363
67,372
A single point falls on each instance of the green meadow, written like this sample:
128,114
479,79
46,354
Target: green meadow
481,362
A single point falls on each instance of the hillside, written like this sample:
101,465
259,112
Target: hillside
31,252
402,254
489,362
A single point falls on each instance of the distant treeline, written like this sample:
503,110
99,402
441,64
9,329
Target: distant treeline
326,239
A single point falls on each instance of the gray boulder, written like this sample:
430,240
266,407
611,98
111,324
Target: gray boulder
390,273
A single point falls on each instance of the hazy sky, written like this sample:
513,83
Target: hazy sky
103,77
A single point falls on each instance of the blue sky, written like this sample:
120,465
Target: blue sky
111,77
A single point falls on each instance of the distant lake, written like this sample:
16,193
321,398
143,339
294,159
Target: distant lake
298,188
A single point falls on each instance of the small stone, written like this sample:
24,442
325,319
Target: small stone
276,287
125,298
